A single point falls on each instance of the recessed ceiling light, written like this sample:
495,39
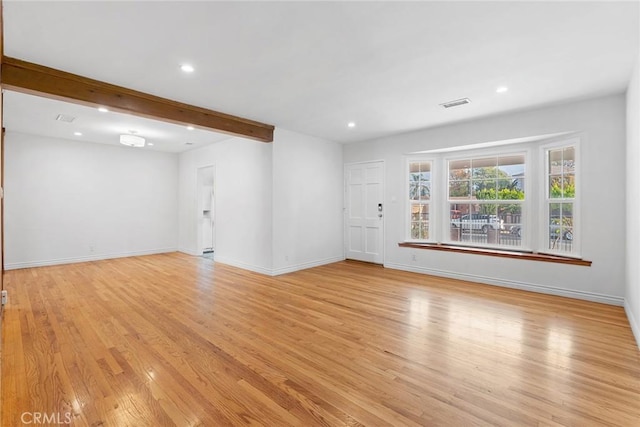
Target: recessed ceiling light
190,128
187,68
77,133
502,89
351,124
103,110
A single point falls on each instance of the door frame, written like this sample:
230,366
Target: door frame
198,213
345,221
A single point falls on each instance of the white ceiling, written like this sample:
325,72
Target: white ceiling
312,67
36,115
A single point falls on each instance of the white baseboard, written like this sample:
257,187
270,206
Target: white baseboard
73,260
274,271
189,252
242,265
544,289
633,321
305,265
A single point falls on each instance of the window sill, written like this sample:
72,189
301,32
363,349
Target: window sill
529,256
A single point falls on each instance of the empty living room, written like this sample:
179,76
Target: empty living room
315,213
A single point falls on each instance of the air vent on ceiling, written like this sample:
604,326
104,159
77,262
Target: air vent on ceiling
65,118
456,103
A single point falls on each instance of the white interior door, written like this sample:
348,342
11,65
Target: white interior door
364,211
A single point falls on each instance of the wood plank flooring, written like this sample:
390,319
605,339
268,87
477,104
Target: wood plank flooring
171,339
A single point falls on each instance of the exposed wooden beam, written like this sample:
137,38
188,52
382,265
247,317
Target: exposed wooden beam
23,76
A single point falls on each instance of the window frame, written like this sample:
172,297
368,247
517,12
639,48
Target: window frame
535,214
479,153
409,202
545,200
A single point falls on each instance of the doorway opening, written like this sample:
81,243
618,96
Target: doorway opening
205,211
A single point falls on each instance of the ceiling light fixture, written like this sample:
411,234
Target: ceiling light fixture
190,128
103,109
502,89
132,140
351,124
77,133
187,68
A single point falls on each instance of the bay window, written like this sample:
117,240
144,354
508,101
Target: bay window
504,197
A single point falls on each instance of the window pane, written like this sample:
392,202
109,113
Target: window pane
414,187
567,222
485,194
425,191
569,160
511,171
488,209
555,162
512,224
419,180
484,168
456,211
419,221
459,170
562,186
569,186
561,226
419,167
485,172
516,161
419,194
459,189
419,190
485,189
555,186
480,224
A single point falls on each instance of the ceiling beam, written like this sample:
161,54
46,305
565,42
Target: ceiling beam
23,76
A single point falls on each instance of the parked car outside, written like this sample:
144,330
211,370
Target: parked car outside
482,222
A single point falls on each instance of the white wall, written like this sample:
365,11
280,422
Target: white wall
278,206
69,201
243,195
603,196
307,201
632,291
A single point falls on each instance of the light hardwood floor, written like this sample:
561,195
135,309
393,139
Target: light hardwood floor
176,340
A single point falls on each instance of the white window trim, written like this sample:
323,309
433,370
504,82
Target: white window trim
534,205
432,203
543,231
478,153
